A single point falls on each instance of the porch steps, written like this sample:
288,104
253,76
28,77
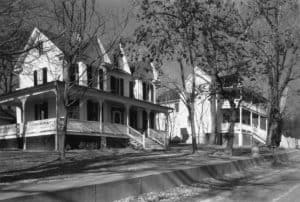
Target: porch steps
137,138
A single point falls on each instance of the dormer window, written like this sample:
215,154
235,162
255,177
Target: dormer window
117,85
40,76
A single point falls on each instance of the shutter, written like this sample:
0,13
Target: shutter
121,87
113,84
45,109
89,76
101,79
35,78
152,93
44,75
131,90
144,91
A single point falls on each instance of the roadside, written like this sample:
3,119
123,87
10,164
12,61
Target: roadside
86,174
266,182
34,165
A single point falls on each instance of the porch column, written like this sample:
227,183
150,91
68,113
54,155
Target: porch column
240,133
100,116
83,109
258,124
167,129
127,117
251,119
24,120
148,122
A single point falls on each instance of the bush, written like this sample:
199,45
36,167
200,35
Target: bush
176,140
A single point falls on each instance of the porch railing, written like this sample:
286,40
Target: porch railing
257,133
114,128
136,135
8,130
40,126
80,126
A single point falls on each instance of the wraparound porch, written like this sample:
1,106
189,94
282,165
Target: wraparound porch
96,114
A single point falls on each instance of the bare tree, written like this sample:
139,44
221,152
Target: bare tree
78,26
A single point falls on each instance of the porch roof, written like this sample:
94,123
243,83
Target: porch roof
86,91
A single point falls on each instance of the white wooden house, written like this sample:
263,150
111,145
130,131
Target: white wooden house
250,126
120,107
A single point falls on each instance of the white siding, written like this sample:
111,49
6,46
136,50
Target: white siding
33,61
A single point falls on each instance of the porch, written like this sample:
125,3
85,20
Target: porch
97,116
250,126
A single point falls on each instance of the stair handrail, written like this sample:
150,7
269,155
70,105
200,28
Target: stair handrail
258,137
135,134
156,136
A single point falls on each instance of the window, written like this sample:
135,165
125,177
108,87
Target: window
35,80
177,107
145,91
263,123
117,85
40,76
74,74
73,111
92,111
246,117
41,111
151,93
44,75
89,76
131,89
101,79
255,120
148,93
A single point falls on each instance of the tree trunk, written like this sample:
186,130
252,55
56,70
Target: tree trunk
275,120
191,109
62,137
63,132
230,135
213,112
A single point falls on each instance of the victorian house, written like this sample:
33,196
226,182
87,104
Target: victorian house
250,125
112,105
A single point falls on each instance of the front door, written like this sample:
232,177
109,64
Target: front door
133,119
117,116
